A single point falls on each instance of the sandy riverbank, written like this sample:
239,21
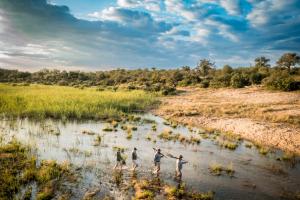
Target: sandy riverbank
265,117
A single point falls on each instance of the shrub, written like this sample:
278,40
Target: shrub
238,81
256,78
168,90
281,81
204,84
221,81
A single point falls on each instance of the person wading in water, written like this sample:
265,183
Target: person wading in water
157,157
179,164
120,160
134,159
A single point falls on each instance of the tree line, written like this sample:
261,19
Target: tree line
284,75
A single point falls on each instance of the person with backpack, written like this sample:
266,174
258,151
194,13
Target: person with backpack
120,160
134,159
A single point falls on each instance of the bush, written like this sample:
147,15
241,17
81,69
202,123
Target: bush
238,81
256,78
220,81
204,84
281,81
168,90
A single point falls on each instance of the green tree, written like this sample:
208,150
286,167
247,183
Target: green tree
288,60
227,69
205,66
262,62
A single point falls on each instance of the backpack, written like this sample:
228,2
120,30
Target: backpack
134,156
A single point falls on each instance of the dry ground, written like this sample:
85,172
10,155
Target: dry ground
265,117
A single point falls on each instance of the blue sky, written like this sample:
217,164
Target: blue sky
107,34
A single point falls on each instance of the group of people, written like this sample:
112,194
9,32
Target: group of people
157,157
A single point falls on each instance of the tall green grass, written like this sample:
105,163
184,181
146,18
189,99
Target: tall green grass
40,101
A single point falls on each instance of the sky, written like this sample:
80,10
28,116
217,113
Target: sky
107,34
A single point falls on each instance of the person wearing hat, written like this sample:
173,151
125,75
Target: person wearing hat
134,159
179,164
157,157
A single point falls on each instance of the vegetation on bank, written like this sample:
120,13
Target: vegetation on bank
40,101
154,188
284,75
19,169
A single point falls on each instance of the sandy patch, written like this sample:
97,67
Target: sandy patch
265,117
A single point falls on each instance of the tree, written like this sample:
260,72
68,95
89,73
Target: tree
227,69
288,60
205,66
262,62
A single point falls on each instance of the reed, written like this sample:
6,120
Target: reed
60,102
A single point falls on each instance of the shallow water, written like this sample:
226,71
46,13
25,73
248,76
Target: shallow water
64,141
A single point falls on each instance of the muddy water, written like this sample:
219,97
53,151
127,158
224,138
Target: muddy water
256,176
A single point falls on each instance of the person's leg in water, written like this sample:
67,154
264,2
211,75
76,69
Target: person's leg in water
134,165
178,174
118,164
154,168
157,167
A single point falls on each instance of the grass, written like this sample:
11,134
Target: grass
60,102
217,169
248,145
18,169
107,129
97,140
229,170
180,192
122,149
264,151
167,135
153,127
88,132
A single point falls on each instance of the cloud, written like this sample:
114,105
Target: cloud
151,5
132,18
174,6
231,6
136,33
274,12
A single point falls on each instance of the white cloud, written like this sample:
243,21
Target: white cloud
110,14
177,7
231,6
151,5
200,35
223,30
127,3
259,15
263,12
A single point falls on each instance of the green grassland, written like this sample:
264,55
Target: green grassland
61,102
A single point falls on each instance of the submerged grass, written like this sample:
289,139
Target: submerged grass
40,101
216,169
18,169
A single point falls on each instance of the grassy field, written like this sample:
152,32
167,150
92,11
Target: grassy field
40,101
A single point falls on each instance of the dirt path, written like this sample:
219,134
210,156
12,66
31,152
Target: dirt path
264,117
